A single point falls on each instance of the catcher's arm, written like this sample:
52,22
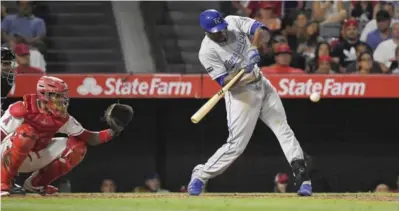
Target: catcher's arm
96,137
117,116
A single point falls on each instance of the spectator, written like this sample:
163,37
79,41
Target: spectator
244,8
395,69
336,41
372,25
25,24
382,188
152,184
291,7
324,65
281,182
383,31
22,56
362,47
329,11
266,15
249,8
308,48
301,22
362,11
345,52
65,186
108,186
283,58
354,66
3,12
3,15
364,64
385,51
183,189
267,58
289,31
322,49
36,58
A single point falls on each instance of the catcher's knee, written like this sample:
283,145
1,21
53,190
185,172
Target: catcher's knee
74,152
24,138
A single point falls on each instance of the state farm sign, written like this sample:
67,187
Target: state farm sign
326,87
131,86
155,86
202,86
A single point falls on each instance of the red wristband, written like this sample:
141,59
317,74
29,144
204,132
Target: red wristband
104,136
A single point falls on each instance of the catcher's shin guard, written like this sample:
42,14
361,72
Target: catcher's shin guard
72,155
12,158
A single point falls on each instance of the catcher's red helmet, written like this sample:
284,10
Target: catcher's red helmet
53,92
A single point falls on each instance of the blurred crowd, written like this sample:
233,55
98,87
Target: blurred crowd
24,33
328,37
282,183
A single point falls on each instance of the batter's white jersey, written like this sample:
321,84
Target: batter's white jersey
222,58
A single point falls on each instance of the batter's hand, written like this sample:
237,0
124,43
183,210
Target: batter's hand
254,58
249,68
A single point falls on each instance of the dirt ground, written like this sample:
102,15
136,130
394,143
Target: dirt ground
333,196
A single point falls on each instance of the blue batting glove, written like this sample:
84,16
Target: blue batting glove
253,59
249,68
253,55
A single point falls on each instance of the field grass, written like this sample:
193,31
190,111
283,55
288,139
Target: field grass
206,202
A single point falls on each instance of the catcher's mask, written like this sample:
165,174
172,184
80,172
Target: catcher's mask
53,93
8,65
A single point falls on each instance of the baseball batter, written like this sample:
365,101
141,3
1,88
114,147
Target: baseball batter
225,49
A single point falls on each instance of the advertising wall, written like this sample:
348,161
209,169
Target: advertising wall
353,141
202,86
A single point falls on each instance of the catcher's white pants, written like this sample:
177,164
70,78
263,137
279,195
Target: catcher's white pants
38,160
244,106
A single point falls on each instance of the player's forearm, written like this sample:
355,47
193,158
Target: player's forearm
225,79
257,40
95,138
261,36
243,80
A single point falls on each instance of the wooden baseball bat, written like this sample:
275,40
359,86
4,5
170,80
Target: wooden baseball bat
204,110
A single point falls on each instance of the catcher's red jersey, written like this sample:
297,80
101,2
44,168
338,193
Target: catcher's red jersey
46,126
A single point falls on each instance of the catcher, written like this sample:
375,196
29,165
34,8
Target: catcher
28,144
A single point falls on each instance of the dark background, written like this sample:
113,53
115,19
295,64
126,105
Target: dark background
354,145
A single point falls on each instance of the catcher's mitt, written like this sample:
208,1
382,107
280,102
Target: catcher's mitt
118,116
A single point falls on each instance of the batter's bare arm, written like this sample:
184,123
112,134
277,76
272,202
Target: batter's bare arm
261,36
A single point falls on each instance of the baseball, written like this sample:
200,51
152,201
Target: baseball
315,97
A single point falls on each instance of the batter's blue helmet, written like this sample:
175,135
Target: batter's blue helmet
212,21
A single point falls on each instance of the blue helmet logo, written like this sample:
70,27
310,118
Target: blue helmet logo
212,21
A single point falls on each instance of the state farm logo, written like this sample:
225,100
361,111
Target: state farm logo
89,86
136,87
328,86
